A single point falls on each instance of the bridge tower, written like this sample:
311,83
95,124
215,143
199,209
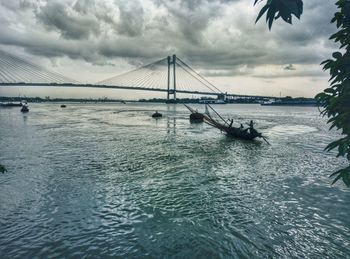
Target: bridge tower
171,78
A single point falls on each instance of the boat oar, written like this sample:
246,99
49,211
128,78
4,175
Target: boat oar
265,140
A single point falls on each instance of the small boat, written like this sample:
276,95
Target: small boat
195,116
63,106
157,115
24,109
237,132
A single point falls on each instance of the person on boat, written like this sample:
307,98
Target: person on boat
230,126
251,126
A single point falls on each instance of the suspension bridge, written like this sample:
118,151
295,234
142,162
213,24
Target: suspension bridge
170,75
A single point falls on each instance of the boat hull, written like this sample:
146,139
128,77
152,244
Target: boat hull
241,134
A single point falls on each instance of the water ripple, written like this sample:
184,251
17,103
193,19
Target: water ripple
110,181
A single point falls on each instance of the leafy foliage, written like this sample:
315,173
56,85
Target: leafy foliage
280,9
335,100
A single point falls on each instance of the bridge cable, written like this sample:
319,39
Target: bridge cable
197,78
199,75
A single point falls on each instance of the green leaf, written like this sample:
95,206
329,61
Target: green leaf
328,64
320,96
344,174
270,16
332,145
337,178
329,90
337,55
270,23
332,119
326,61
261,13
342,149
346,178
294,7
284,9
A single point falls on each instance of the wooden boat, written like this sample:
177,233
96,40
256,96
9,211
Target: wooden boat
195,116
157,115
225,126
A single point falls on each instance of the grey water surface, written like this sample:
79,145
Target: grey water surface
107,180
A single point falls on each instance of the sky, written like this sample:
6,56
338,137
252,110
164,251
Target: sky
91,40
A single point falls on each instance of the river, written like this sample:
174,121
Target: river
107,180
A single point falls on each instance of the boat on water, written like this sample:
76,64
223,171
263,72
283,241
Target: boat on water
247,133
157,115
195,117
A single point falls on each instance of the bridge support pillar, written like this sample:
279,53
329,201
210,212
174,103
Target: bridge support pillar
169,64
174,67
171,79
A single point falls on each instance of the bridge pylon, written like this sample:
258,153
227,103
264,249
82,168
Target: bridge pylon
171,78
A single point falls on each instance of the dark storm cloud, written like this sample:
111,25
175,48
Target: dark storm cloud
131,19
71,25
17,5
219,37
315,24
308,73
84,6
193,17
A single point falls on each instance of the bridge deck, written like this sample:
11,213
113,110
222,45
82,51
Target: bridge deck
130,88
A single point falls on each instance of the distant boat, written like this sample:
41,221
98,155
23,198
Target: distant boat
63,106
195,116
156,115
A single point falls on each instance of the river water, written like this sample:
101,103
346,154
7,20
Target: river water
107,180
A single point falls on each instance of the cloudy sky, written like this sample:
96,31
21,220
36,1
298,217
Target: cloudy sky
90,40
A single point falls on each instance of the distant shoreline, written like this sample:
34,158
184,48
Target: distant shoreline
258,100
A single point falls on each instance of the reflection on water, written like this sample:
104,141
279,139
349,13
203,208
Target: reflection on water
290,130
107,180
